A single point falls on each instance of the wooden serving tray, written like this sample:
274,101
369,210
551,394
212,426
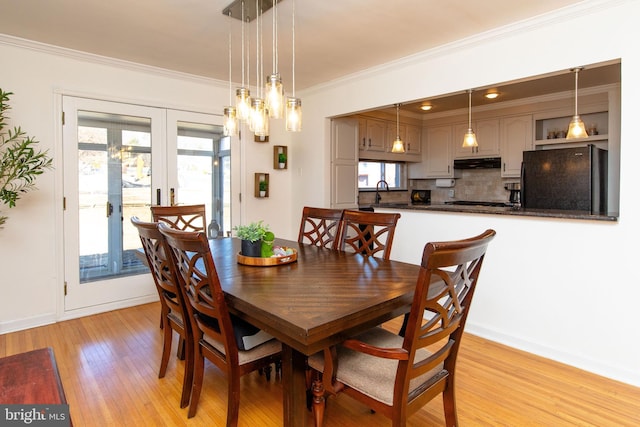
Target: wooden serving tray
267,262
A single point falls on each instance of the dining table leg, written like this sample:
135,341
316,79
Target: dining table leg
293,387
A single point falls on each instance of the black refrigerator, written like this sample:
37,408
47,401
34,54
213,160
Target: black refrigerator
566,179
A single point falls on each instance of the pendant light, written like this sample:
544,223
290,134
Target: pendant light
469,140
230,123
576,126
259,114
294,105
274,91
398,145
243,95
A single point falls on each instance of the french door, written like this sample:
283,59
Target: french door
118,160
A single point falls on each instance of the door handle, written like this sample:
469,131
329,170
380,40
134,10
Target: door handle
109,209
158,198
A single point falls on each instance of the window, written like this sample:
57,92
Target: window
371,172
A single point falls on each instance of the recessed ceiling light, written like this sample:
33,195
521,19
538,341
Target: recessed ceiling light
491,95
425,107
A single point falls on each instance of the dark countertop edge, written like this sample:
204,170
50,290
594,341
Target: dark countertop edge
499,211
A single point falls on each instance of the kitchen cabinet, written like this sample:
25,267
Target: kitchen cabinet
487,134
516,136
437,155
412,141
373,134
344,163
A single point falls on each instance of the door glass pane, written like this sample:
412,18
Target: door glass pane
114,159
198,167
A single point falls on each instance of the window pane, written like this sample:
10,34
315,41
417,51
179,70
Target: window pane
370,173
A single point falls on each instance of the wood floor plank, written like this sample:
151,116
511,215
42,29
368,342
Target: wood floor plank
109,368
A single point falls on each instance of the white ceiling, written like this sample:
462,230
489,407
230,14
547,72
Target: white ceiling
333,38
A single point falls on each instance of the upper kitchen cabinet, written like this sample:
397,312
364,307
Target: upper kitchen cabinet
412,141
488,136
373,134
516,136
437,154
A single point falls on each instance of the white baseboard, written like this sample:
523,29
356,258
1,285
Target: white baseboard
578,361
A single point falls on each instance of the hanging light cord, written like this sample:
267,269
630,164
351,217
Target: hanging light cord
243,43
577,70
230,58
293,50
398,121
275,37
469,109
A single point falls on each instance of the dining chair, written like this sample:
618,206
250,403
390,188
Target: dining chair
396,376
368,233
172,305
218,336
320,226
181,217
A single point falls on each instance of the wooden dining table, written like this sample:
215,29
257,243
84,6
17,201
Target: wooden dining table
319,300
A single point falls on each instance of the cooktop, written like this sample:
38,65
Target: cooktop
475,203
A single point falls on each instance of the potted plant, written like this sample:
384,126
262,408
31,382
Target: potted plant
20,161
262,186
251,236
282,160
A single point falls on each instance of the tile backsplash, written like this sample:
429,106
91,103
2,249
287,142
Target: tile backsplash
474,184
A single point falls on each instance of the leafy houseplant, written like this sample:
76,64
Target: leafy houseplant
282,160
20,162
262,186
251,236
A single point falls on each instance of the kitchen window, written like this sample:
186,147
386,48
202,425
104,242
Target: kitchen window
371,172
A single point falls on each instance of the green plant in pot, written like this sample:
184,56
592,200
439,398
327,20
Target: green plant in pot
251,236
282,160
20,161
262,186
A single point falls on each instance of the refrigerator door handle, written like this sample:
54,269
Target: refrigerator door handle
522,189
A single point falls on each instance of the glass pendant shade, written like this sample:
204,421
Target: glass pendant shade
259,123
230,124
398,146
576,126
294,115
469,140
274,98
243,103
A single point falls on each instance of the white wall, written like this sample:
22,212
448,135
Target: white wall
563,289
558,288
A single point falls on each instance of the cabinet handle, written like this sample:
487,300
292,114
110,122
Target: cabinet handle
369,142
364,142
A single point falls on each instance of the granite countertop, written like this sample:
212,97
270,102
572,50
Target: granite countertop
509,210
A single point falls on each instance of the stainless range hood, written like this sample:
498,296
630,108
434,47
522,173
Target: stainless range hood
484,163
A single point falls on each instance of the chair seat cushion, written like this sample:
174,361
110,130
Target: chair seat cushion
265,349
373,376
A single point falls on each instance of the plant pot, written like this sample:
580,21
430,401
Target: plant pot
263,193
252,249
281,165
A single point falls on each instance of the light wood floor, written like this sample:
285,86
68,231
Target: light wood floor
109,363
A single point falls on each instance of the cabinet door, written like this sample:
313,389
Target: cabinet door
412,143
437,159
516,136
487,134
376,135
344,163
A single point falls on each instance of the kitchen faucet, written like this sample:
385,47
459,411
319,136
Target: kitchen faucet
382,181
